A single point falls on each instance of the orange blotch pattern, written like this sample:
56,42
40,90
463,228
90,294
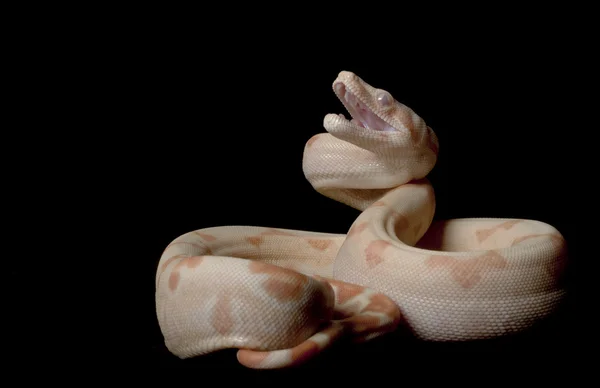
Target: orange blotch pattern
282,284
205,236
222,319
189,262
254,240
309,348
467,272
304,351
284,290
319,244
381,304
483,234
554,238
365,323
251,358
258,239
345,291
357,229
169,261
374,252
276,232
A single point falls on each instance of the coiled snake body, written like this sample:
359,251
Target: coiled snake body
282,296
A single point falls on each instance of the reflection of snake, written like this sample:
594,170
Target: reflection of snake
299,291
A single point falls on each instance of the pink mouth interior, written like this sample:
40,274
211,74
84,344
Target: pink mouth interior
361,114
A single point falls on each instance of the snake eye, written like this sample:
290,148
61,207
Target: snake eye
384,99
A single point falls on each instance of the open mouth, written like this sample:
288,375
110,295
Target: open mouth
362,115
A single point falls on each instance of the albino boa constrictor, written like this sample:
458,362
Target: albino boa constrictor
282,296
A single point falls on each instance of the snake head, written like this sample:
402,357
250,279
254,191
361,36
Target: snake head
374,109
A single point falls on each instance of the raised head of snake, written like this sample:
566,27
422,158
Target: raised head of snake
385,144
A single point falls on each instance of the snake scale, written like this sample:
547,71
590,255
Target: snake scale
282,296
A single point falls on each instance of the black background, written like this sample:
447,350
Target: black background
193,125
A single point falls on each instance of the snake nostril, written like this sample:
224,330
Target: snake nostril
339,88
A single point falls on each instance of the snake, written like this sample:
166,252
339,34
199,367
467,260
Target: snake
282,296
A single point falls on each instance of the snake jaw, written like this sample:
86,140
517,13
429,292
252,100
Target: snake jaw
363,115
365,103
374,109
